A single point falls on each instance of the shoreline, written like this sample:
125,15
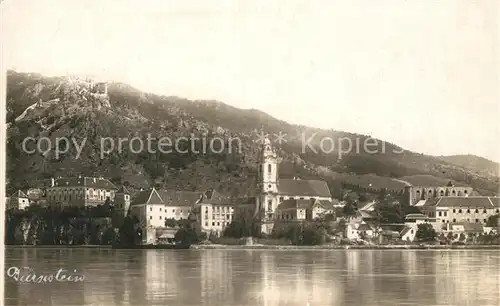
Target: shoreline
346,247
281,247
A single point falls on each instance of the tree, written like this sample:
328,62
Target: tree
130,232
382,194
492,221
341,226
425,233
389,212
461,237
170,222
187,236
349,210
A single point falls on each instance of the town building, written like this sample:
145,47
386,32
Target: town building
474,209
359,231
408,234
17,200
153,207
419,194
179,204
273,191
301,209
80,191
122,201
215,212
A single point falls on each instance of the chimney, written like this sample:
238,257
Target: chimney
52,182
94,180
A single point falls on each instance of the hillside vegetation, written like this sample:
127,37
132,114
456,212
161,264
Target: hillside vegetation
64,110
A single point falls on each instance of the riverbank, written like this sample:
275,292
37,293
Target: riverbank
345,247
281,247
61,246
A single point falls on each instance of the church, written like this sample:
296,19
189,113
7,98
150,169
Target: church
306,199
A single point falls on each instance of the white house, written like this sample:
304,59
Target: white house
17,200
408,233
355,231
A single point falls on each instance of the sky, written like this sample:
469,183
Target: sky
421,74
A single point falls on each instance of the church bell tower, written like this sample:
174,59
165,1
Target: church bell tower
268,176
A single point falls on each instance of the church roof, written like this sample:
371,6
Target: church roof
303,188
295,204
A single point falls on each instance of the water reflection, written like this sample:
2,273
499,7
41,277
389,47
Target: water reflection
253,277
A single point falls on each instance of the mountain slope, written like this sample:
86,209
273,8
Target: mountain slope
127,112
474,163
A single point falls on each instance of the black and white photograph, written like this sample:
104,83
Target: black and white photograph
250,152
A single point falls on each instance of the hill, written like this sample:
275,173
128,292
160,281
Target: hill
60,107
474,163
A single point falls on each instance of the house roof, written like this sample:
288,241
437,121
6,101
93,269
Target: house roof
215,198
303,188
416,216
470,227
405,231
394,234
18,194
180,198
149,196
364,227
325,204
368,206
495,201
366,214
123,190
91,182
295,204
472,202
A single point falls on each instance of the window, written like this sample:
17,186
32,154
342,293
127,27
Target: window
459,211
477,220
484,220
269,168
439,214
218,223
484,211
454,220
160,208
445,213
206,223
497,211
468,211
213,223
454,210
151,209
281,199
173,210
160,217
477,210
270,205
150,217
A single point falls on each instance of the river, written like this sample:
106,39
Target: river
258,277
